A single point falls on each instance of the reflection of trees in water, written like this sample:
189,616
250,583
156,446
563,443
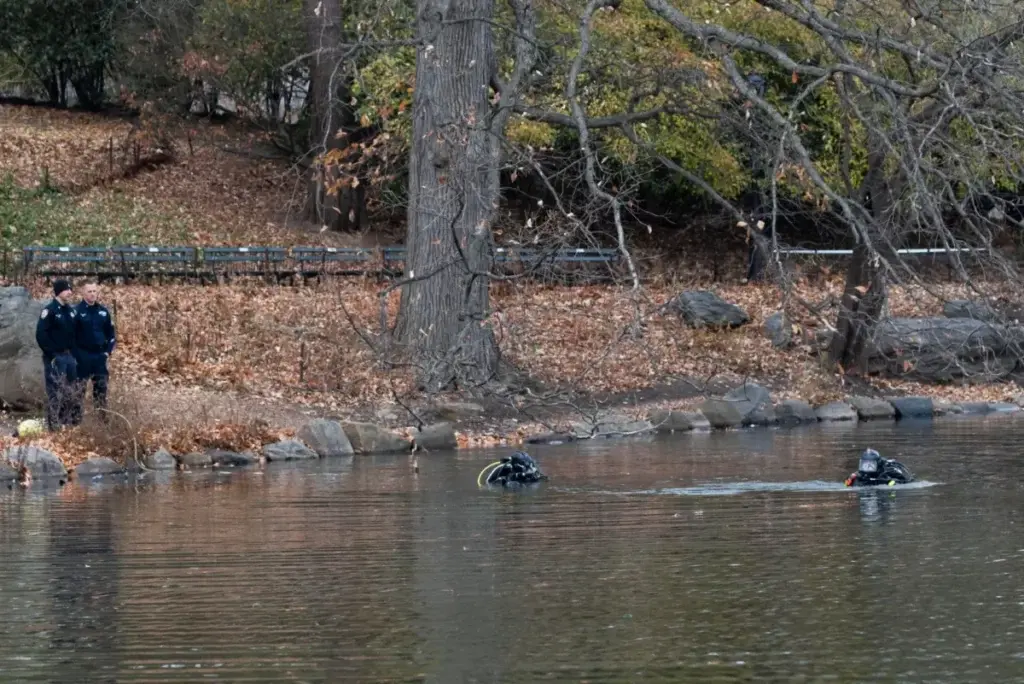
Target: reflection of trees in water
373,574
282,572
455,579
24,577
624,584
84,589
58,583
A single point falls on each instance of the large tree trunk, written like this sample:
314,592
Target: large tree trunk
861,308
328,102
453,198
866,292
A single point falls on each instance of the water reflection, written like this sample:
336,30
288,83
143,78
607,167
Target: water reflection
363,570
876,506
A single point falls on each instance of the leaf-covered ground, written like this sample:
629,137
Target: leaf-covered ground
222,188
203,366
234,364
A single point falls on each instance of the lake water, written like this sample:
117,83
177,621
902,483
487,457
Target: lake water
727,557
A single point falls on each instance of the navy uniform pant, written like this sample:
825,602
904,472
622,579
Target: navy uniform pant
92,366
62,395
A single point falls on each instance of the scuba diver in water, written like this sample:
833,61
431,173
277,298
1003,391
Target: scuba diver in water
512,471
875,470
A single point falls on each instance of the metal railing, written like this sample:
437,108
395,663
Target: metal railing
304,261
909,251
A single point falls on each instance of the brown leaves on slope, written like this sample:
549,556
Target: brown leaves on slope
223,187
282,343
234,365
72,146
584,337
298,344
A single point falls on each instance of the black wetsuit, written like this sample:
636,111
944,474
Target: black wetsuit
516,470
889,470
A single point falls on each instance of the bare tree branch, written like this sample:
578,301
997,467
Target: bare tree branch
581,126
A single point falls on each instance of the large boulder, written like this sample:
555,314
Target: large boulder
288,450
222,457
161,459
326,437
913,407
794,411
748,399
945,349
678,421
762,416
196,460
21,362
974,408
436,437
367,438
835,412
703,308
40,462
95,467
869,408
721,413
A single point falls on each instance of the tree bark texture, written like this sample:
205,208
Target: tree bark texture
860,310
865,292
453,198
328,94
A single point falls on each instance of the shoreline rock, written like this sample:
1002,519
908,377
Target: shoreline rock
161,459
869,408
746,406
326,437
98,467
912,407
223,457
835,412
795,412
678,421
367,439
721,414
288,450
195,460
436,437
41,463
750,399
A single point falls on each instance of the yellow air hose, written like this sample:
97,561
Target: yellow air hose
480,477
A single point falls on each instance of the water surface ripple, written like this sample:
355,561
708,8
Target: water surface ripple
630,565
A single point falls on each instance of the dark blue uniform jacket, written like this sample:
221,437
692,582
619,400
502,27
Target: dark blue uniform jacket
94,336
55,330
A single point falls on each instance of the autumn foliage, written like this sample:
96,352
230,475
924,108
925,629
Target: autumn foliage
240,363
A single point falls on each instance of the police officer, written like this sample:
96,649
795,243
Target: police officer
94,343
55,335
